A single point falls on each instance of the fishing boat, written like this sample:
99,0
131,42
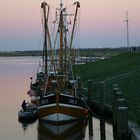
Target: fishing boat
55,90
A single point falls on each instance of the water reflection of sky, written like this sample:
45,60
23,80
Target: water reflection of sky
15,75
19,60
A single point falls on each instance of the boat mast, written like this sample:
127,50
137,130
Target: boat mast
43,6
77,6
61,25
65,55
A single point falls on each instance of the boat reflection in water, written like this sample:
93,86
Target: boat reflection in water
67,131
26,123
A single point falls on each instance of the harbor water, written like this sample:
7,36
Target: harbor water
15,73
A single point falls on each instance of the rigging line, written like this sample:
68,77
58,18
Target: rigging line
56,39
53,48
39,47
51,5
43,31
89,107
68,24
74,22
77,36
54,36
79,28
75,33
45,86
68,7
48,35
53,31
42,34
78,25
52,26
35,67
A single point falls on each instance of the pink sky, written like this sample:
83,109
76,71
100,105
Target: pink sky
102,23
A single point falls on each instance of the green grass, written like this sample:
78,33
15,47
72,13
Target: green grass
100,52
124,70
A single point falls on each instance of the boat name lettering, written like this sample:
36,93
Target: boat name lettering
72,101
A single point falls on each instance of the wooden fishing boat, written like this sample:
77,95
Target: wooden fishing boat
55,90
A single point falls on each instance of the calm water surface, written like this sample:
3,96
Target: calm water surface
15,75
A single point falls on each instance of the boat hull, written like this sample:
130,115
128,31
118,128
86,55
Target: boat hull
67,109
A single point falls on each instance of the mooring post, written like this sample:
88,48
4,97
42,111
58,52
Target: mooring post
120,116
122,123
102,121
90,125
121,103
116,95
90,90
115,86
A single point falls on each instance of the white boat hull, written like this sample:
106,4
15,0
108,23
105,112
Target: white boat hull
58,117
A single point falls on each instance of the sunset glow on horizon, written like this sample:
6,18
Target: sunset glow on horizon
101,23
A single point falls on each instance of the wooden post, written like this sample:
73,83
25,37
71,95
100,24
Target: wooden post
90,125
115,86
114,106
121,103
90,86
122,123
119,95
102,121
90,89
120,116
116,95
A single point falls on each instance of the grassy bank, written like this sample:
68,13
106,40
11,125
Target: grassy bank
123,69
82,52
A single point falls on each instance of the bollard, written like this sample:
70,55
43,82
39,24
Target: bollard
102,121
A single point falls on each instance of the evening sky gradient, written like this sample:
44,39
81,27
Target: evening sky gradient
101,23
